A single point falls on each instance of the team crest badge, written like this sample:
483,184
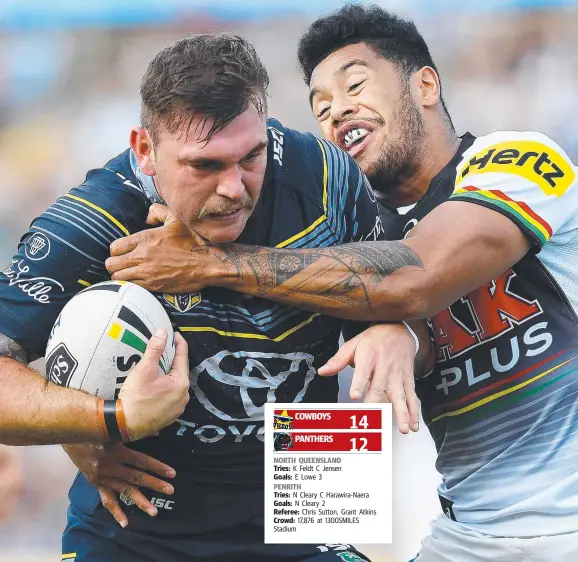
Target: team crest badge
282,421
282,442
183,302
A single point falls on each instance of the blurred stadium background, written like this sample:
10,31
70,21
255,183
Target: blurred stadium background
69,74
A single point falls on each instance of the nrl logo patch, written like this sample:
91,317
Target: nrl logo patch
182,302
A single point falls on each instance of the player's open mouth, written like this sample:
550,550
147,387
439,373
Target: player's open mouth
358,144
353,137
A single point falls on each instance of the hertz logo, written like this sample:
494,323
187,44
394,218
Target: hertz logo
534,161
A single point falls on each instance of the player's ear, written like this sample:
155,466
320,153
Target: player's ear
429,86
142,146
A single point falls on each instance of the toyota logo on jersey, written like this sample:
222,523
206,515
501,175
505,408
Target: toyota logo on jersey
250,380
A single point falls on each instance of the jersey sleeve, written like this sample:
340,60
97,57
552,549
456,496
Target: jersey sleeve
351,208
62,253
349,202
526,177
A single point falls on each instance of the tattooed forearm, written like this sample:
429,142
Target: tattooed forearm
338,279
9,348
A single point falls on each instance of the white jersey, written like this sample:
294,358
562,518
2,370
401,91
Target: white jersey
502,401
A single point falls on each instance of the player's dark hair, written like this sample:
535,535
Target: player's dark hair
215,76
389,36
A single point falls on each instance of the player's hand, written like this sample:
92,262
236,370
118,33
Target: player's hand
113,468
159,259
161,214
383,357
10,480
151,399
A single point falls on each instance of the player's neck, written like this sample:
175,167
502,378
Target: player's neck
439,148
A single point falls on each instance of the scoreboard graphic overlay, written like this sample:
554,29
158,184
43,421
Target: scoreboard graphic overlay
328,473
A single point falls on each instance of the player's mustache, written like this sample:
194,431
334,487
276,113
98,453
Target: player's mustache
376,120
244,202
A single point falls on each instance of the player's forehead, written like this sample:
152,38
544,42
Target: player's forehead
357,58
242,135
350,57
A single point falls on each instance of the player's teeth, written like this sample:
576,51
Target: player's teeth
353,135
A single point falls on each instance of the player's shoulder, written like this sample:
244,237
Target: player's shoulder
530,155
300,143
115,191
301,159
292,152
516,141
117,180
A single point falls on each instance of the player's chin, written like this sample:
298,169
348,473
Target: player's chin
366,161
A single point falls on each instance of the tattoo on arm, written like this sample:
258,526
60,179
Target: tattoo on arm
346,273
9,348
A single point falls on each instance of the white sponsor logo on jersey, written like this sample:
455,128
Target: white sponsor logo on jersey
37,288
256,374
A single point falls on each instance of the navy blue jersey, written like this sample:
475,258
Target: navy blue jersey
243,351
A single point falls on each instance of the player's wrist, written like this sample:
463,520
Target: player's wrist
220,271
112,421
413,335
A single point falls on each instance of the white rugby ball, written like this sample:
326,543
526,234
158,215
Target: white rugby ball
101,334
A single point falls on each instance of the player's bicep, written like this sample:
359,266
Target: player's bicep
462,246
33,291
62,253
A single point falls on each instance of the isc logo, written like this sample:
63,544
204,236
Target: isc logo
163,504
277,145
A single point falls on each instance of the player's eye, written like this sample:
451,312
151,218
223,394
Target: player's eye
323,113
354,87
252,157
205,166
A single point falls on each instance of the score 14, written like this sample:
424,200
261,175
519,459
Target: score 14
362,422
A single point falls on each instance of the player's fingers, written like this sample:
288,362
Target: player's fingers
146,463
132,493
341,359
155,347
124,245
180,367
362,374
109,502
148,370
141,479
125,265
159,214
388,387
412,403
117,263
132,273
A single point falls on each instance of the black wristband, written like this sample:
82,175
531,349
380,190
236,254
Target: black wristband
109,411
